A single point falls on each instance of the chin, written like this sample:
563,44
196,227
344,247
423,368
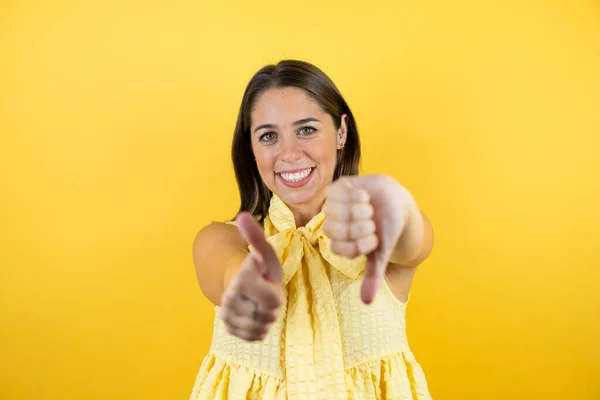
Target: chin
297,197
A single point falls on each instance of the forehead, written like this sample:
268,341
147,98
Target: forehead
282,106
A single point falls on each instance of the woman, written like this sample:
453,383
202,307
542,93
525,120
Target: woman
311,281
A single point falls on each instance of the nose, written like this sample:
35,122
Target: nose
290,151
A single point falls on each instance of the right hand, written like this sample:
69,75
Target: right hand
251,302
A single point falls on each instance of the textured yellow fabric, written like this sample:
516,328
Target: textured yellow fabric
326,344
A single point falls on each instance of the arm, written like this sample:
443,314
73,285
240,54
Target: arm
416,241
412,248
247,287
218,253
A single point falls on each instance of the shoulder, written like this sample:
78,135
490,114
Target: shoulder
221,233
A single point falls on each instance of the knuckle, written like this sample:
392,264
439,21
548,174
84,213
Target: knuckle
370,211
267,318
276,300
228,318
225,300
230,329
335,247
235,287
364,228
272,316
340,182
368,244
342,248
333,229
363,211
260,330
358,194
371,226
364,195
375,240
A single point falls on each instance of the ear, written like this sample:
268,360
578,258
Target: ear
342,132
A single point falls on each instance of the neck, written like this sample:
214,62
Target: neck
303,213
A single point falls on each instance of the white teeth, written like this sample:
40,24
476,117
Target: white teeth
298,176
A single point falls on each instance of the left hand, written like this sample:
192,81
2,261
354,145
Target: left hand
366,216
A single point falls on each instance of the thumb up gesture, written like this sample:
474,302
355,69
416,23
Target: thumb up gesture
253,298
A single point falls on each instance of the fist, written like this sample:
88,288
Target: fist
366,216
251,302
349,222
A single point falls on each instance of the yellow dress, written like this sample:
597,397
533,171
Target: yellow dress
326,344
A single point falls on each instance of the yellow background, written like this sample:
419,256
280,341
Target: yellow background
116,119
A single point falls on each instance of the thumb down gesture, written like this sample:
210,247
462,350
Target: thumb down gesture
366,216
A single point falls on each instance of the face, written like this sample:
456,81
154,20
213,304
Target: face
295,144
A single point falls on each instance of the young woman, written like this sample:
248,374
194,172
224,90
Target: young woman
311,281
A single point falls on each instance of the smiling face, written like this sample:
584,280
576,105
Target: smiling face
295,144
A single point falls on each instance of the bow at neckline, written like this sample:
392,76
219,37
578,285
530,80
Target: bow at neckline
282,233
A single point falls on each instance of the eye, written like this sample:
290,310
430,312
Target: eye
307,130
267,137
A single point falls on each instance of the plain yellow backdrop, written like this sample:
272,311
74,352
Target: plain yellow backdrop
116,119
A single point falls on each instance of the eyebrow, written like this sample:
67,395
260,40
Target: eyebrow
299,122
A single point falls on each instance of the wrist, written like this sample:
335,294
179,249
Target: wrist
408,246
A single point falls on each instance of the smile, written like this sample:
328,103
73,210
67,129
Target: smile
296,178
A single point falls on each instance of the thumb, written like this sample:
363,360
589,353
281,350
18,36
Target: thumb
261,250
373,277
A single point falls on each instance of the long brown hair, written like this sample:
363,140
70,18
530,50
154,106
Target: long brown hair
254,194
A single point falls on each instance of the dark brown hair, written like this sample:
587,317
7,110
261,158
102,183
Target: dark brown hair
254,194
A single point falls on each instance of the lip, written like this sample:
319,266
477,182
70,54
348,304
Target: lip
296,184
293,171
